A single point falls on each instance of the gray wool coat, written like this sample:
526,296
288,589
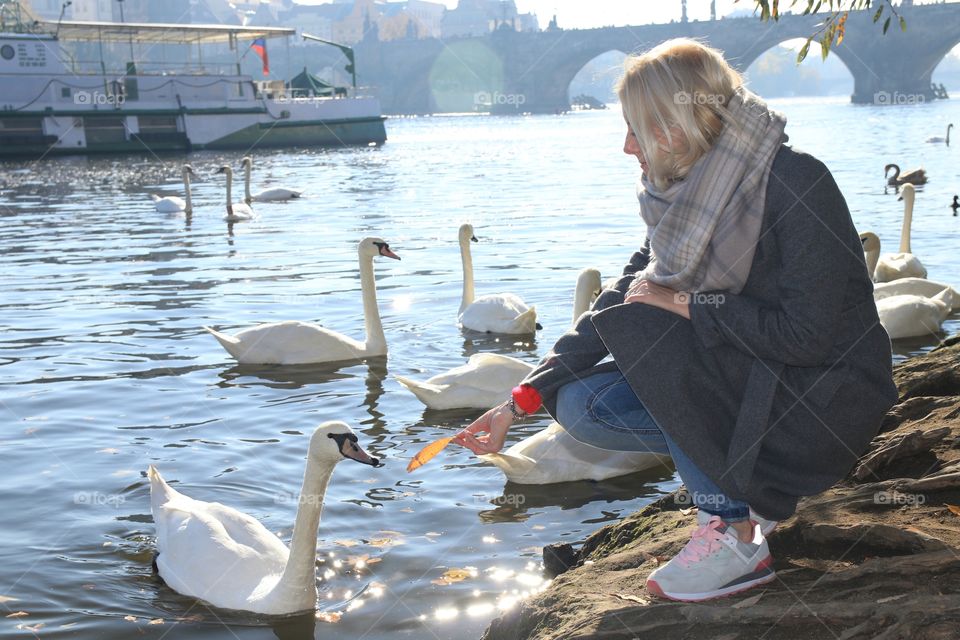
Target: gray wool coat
773,392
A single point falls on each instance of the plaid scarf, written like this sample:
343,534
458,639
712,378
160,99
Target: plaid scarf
704,228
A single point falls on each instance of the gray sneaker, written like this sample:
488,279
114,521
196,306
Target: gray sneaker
766,526
713,564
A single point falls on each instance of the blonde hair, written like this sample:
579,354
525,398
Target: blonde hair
679,87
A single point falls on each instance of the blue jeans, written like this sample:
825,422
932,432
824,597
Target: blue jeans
602,410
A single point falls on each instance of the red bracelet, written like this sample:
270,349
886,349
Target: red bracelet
527,398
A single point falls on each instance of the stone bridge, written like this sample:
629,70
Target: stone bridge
531,72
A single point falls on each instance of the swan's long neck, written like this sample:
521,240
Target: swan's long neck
186,187
907,222
581,296
229,187
376,341
246,181
467,260
300,574
873,257
949,126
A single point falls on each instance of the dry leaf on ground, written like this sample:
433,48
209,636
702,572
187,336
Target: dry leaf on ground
631,598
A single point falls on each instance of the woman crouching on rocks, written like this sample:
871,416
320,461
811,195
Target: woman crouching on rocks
745,340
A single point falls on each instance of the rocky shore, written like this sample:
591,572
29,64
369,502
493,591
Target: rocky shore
877,556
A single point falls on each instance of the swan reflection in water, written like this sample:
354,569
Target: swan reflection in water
518,502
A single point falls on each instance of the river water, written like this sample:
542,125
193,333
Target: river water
105,367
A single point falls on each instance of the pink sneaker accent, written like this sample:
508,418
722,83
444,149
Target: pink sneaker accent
704,541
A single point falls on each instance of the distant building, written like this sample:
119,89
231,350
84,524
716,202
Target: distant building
350,21
480,17
345,21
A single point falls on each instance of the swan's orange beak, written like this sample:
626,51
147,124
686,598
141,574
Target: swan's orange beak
386,253
351,449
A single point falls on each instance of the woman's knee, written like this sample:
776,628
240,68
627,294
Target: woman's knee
573,401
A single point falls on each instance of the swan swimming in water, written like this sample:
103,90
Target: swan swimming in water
940,138
236,211
294,342
904,264
225,557
487,378
914,176
493,313
910,316
273,194
174,204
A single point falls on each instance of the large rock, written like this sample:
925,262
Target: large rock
877,556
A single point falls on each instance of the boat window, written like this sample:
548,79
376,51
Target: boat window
21,125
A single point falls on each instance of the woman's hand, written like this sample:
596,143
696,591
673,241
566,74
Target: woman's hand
655,295
494,423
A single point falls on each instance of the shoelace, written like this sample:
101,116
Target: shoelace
703,542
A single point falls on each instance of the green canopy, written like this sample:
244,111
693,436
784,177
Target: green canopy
305,83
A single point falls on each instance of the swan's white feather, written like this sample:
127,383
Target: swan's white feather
500,313
169,204
242,551
553,455
276,193
907,316
290,342
484,381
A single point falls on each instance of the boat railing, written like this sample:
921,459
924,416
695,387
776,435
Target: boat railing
83,67
278,91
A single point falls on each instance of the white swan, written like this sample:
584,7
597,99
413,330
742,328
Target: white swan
174,204
227,558
553,455
916,287
483,382
293,342
236,211
940,138
908,316
894,266
494,313
486,379
274,194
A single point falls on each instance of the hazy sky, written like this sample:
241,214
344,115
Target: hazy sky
572,14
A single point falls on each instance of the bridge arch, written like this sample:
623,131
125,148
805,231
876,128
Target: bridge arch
775,72
597,77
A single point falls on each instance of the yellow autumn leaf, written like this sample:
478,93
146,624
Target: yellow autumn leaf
451,576
361,560
954,508
18,614
5,599
427,453
156,621
329,616
130,618
346,543
384,542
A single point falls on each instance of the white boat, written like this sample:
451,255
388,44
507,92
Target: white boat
55,100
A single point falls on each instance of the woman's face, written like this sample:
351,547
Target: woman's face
631,146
